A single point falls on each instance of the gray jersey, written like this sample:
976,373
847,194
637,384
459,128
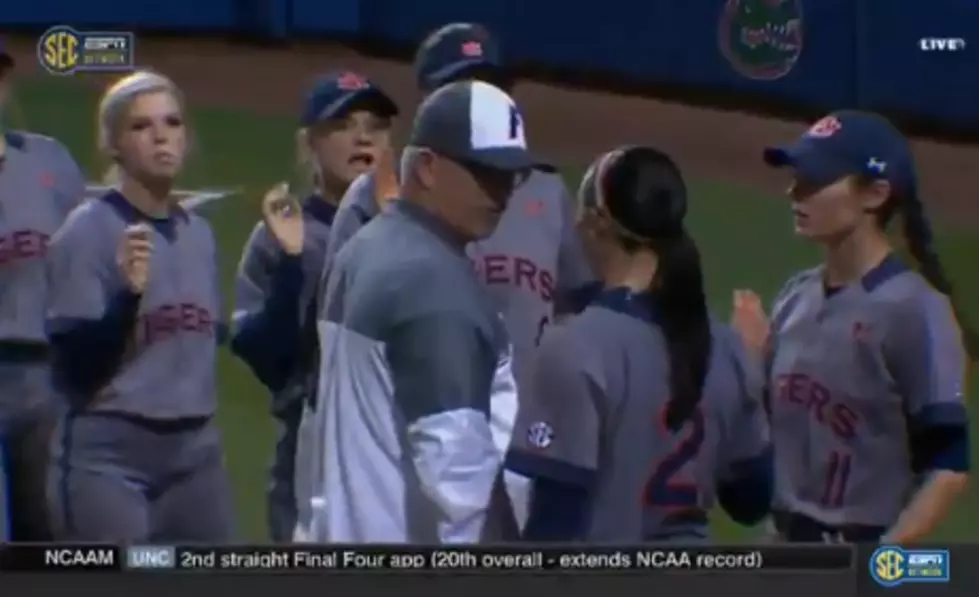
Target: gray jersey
168,369
533,256
399,447
39,185
849,373
596,407
253,287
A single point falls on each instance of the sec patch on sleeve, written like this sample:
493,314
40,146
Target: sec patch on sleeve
540,435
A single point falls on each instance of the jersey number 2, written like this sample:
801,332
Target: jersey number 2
837,478
664,489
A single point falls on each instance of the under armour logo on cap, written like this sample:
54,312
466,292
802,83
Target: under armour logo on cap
875,165
826,127
472,49
352,82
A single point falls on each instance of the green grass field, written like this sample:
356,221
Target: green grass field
746,240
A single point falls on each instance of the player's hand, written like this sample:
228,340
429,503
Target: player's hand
749,319
284,218
385,179
133,257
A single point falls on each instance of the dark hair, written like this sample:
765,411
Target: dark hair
919,239
646,198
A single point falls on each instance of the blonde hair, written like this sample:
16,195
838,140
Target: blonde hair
115,102
306,178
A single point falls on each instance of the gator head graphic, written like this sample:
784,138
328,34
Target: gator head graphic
761,39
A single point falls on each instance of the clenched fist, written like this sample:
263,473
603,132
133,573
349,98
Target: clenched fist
284,219
750,321
133,257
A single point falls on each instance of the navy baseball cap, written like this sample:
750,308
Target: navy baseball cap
845,143
334,93
452,50
473,122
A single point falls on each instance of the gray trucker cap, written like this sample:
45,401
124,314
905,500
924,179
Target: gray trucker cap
475,122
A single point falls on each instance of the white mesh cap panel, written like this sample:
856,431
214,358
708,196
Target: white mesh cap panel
494,119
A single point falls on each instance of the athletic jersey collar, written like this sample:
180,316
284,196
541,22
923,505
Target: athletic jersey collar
890,267
15,140
320,209
629,302
133,215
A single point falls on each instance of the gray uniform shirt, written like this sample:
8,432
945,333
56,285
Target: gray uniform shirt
410,345
259,259
849,374
532,257
168,368
39,185
596,409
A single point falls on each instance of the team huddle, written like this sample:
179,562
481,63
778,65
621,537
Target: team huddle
459,351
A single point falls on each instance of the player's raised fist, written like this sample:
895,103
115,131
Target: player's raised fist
133,257
385,179
284,218
749,319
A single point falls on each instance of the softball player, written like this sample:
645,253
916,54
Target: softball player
641,409
346,125
39,186
865,360
134,312
532,264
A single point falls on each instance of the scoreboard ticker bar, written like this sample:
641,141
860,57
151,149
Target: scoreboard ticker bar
403,558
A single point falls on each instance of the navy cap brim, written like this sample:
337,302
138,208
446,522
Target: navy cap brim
508,159
373,99
452,71
814,166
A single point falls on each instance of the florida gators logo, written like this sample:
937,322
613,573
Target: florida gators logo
761,39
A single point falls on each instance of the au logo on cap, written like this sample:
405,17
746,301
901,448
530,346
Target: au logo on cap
62,50
892,566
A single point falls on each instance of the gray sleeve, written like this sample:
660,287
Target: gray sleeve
354,211
747,432
574,271
254,274
80,271
440,363
559,417
442,371
69,180
924,352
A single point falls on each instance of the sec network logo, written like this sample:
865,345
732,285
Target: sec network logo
892,566
62,50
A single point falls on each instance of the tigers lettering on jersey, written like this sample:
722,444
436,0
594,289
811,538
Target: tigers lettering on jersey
168,320
22,244
510,270
803,391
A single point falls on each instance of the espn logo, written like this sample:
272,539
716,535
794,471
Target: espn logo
925,559
941,44
106,43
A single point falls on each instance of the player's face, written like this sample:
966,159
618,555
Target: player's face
350,145
470,196
152,138
596,236
827,213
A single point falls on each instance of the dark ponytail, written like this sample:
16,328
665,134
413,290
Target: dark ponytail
646,197
920,243
678,293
